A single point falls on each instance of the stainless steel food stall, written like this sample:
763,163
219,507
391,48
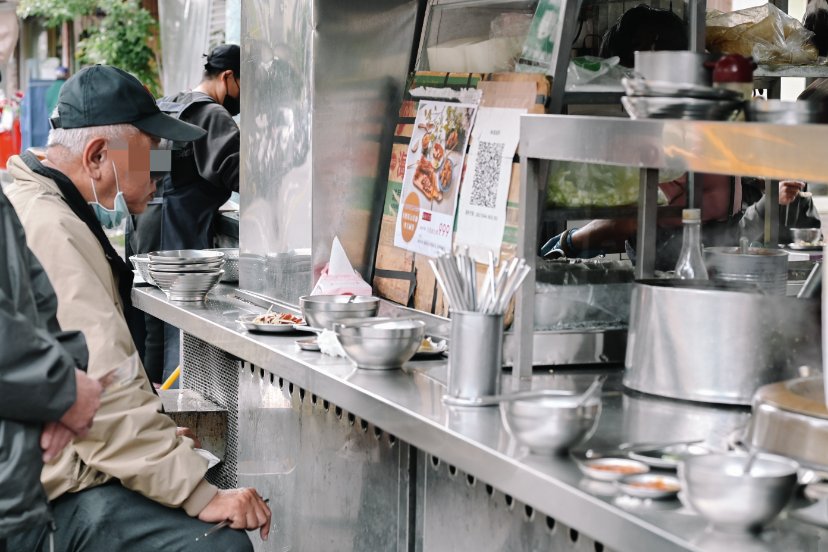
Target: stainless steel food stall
358,460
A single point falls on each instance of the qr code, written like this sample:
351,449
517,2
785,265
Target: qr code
486,174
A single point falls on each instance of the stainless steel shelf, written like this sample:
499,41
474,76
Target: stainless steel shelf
730,148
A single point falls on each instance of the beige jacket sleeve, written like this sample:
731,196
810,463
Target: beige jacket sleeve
130,439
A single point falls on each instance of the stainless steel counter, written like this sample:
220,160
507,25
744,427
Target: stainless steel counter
407,404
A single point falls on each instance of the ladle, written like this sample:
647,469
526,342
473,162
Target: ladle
751,459
490,400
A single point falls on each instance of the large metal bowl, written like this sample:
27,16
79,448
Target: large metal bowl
718,489
550,425
380,343
322,311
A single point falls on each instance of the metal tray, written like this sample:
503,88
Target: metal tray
806,247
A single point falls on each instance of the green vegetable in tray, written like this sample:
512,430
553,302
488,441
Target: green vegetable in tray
591,185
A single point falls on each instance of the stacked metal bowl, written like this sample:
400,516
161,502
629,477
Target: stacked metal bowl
186,274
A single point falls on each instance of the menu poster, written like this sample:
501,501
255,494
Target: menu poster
434,163
481,215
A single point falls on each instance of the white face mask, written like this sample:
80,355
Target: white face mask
110,218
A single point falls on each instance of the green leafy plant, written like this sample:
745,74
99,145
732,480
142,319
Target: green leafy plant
122,37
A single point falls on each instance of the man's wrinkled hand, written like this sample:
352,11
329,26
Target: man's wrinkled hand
88,399
54,437
244,508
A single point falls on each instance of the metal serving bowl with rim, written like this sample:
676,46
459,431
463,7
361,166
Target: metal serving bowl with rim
322,311
718,488
551,425
380,343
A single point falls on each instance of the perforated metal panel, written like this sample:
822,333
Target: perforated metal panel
215,374
456,511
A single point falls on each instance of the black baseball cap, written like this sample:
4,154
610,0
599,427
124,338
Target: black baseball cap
224,57
104,95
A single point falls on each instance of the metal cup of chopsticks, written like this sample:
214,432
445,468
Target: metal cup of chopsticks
476,321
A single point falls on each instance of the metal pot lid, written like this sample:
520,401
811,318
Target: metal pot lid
804,396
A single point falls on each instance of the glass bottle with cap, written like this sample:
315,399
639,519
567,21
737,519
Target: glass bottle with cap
690,265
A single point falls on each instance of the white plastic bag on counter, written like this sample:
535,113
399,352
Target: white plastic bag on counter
339,277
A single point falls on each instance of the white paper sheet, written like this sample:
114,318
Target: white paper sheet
481,213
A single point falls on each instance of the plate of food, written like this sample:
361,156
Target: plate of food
806,246
431,347
649,485
668,457
612,469
270,322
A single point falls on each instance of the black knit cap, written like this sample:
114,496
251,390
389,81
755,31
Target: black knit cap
224,57
103,95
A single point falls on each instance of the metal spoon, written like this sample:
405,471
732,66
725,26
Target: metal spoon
751,459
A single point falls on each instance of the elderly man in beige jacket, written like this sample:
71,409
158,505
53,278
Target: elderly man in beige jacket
131,484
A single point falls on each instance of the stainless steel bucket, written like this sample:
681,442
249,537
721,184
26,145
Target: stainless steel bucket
767,269
704,343
678,67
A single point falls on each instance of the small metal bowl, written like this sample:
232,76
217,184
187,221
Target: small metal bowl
550,425
806,236
649,485
718,489
380,343
322,311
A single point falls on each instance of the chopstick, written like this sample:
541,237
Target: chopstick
456,275
221,525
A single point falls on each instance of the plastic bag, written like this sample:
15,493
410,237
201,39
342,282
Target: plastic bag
595,71
591,185
540,41
765,32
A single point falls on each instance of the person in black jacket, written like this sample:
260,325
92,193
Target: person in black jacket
47,399
203,174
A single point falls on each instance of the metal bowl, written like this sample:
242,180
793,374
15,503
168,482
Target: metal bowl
381,343
678,67
231,263
718,489
782,112
550,425
322,311
805,235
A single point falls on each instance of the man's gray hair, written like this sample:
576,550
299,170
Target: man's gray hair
75,139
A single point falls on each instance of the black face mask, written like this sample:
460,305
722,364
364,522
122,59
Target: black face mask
231,104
